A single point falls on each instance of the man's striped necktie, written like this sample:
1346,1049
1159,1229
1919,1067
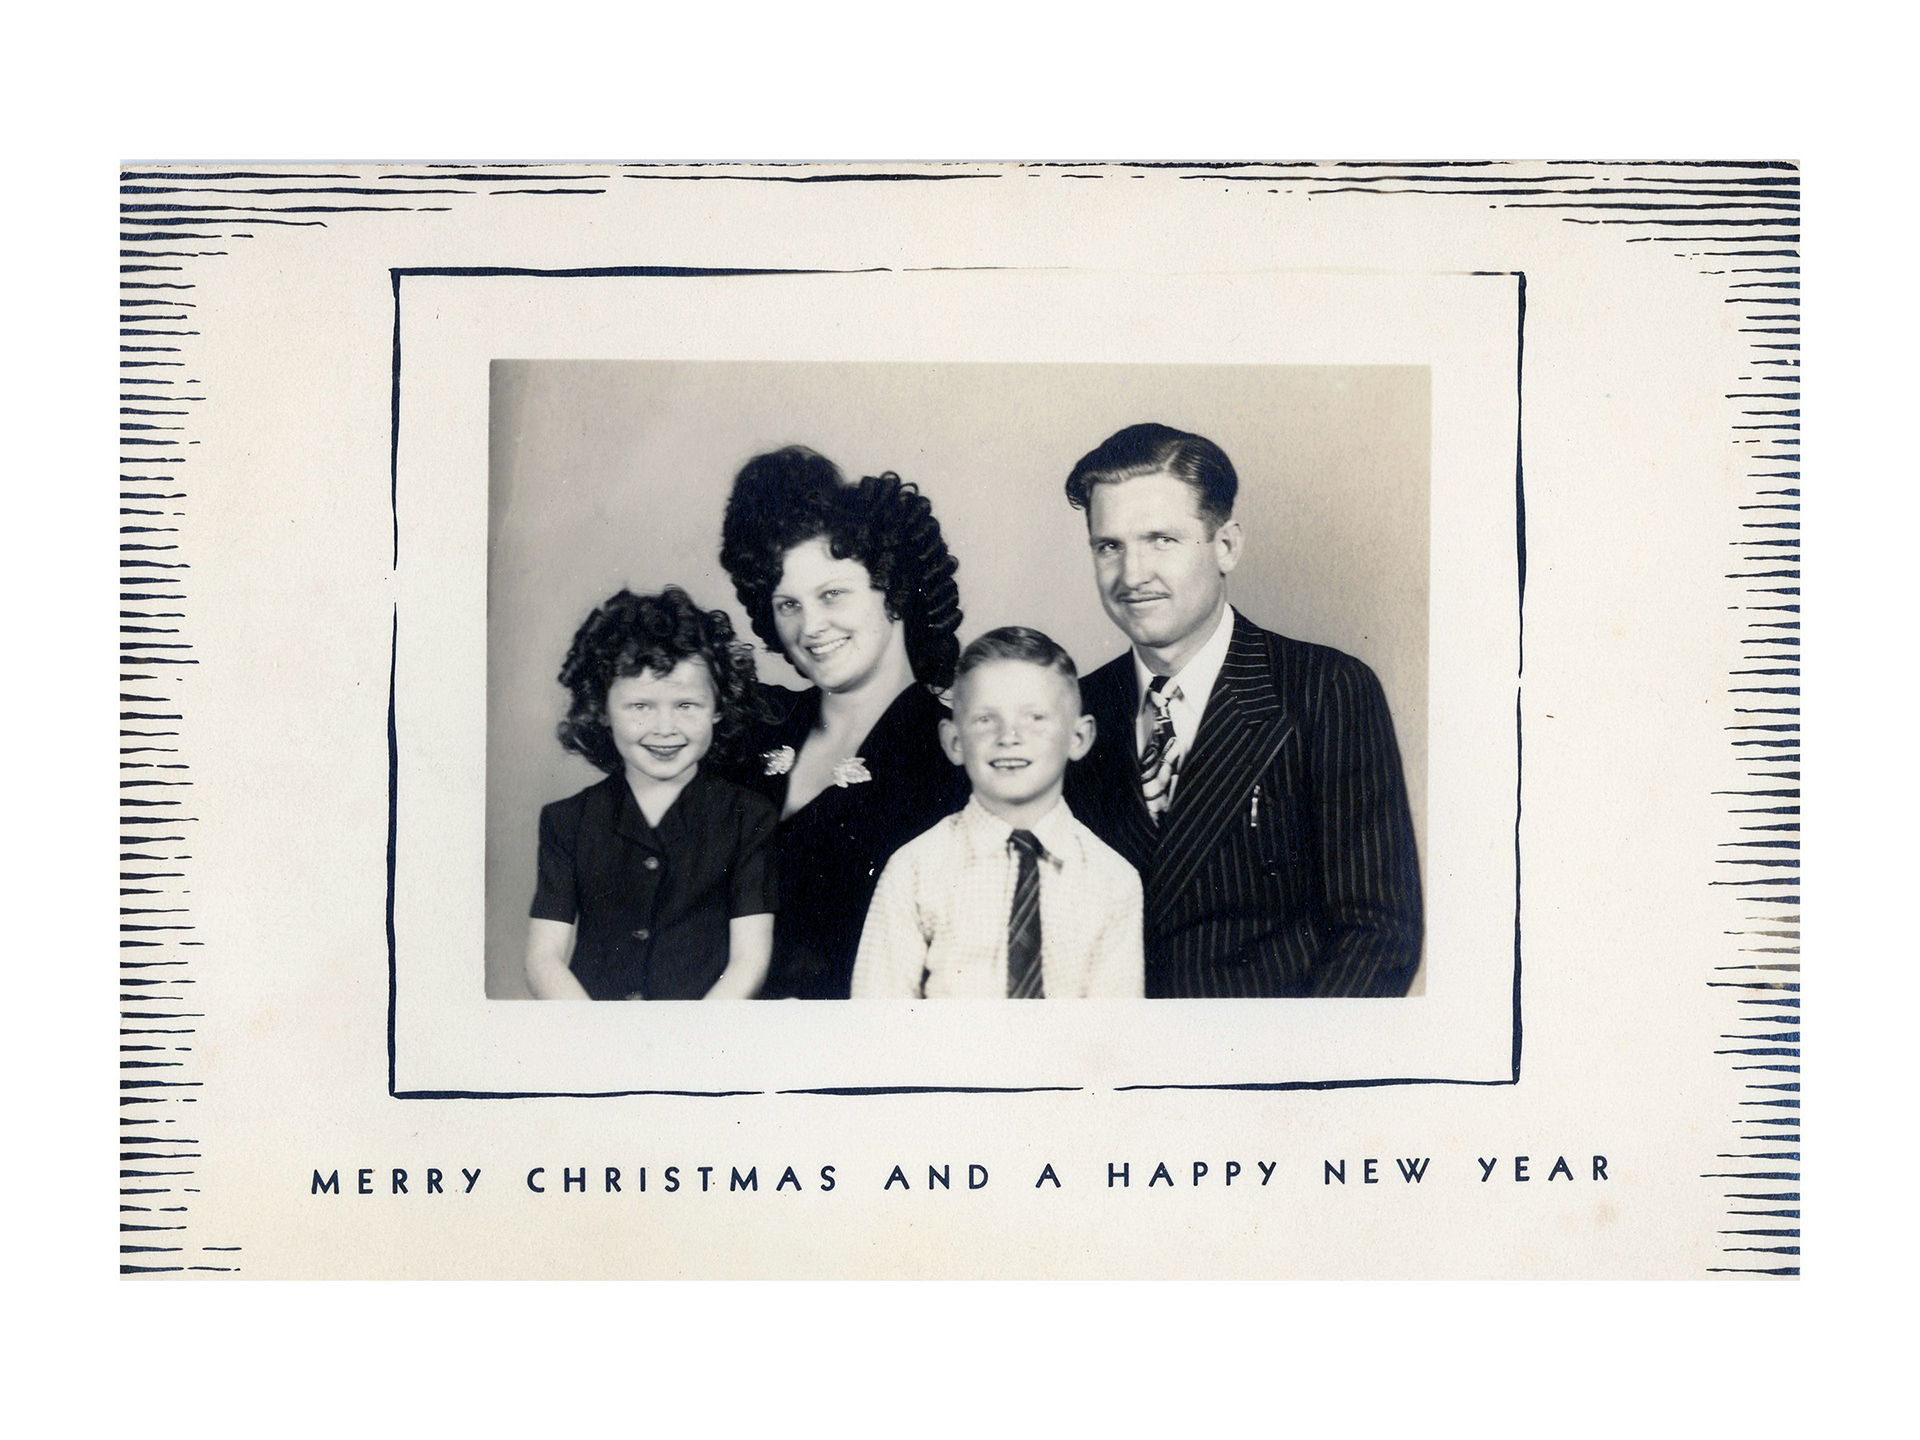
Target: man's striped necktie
1157,765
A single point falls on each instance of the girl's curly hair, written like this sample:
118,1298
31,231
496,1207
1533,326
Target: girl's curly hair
788,497
632,634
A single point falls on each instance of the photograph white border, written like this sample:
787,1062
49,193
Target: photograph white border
447,1039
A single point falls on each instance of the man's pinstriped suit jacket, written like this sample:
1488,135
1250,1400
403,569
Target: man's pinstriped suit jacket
1285,864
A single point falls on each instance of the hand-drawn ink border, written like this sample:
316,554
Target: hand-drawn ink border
672,272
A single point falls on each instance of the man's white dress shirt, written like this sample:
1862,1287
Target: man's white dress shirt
1194,684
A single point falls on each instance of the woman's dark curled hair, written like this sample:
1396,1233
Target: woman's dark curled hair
788,497
632,634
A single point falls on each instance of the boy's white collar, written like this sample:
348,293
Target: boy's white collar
1050,827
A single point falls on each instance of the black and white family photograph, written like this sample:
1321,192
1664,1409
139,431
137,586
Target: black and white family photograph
901,681
1338,620
1342,638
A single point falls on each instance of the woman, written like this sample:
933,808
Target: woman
854,585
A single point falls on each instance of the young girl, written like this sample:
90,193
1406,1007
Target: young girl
656,883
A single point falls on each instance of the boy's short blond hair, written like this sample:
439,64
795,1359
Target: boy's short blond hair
1016,642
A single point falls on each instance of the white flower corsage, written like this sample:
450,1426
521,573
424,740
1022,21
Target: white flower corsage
780,761
851,771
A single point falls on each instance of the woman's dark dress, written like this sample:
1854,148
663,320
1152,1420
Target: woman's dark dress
829,854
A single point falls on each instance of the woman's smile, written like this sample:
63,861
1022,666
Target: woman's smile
833,624
821,649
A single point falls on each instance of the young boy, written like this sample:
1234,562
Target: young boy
1012,897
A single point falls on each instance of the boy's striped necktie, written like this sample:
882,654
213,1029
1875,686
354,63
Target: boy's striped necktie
1023,921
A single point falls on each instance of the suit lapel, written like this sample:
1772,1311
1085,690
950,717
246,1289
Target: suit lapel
1117,735
1243,729
1114,770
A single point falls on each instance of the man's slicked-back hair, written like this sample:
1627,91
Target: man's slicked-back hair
1017,642
1150,449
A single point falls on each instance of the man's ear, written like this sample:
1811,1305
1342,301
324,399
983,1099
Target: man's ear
950,741
1084,730
1227,543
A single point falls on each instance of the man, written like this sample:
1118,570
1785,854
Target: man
1252,780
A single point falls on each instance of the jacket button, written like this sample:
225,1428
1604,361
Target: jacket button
643,934
652,862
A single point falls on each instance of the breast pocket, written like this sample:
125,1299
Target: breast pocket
1277,821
